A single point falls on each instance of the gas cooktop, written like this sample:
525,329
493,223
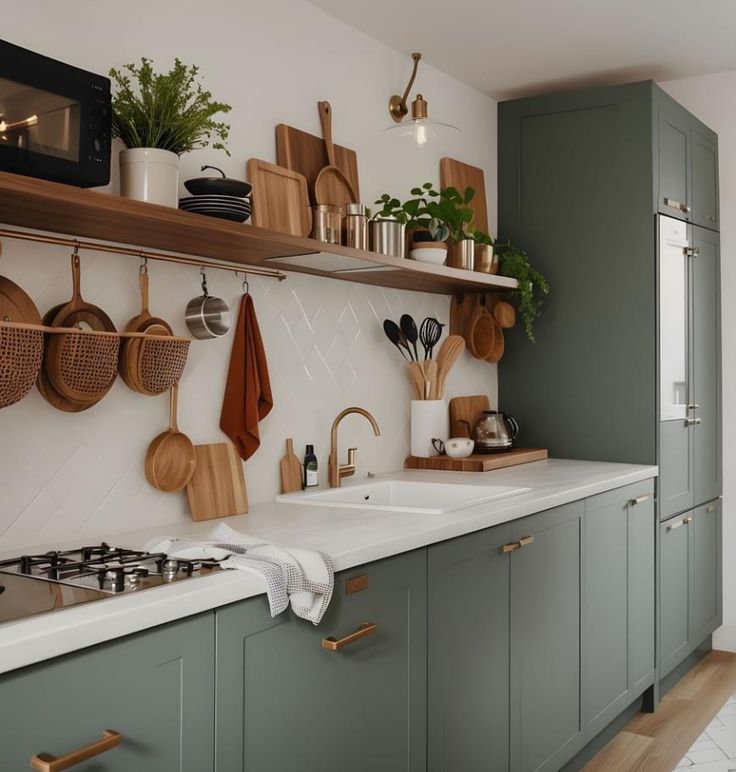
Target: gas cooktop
33,584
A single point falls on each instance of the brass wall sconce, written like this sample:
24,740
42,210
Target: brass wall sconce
420,126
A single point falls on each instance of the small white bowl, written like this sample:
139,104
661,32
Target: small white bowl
431,255
459,447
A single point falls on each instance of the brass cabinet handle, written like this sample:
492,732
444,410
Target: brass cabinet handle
671,202
524,541
45,762
639,500
710,508
690,251
685,208
694,406
685,521
711,218
335,644
693,421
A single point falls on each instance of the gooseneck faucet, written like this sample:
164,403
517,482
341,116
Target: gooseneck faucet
337,470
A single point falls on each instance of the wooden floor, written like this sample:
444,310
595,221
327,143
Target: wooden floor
655,742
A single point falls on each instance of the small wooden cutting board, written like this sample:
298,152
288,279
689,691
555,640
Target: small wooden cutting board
290,469
280,198
217,488
478,462
456,174
468,409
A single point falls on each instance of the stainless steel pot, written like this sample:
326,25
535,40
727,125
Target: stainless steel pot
388,237
207,316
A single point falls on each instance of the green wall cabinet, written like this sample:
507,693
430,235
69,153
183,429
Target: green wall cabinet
156,688
690,593
469,640
619,601
286,703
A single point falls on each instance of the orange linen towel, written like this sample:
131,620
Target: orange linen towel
248,396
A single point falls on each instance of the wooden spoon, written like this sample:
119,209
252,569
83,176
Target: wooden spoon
171,458
331,185
450,350
417,378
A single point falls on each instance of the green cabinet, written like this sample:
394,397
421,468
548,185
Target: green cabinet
468,665
690,585
287,703
547,726
706,210
155,688
619,601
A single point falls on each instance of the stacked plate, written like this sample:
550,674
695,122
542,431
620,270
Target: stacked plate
226,207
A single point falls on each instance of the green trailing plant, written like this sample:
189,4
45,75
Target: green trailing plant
533,287
170,111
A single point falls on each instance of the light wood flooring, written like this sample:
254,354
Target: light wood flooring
656,742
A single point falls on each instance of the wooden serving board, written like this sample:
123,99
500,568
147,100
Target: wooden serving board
478,462
468,409
306,154
217,488
456,174
280,199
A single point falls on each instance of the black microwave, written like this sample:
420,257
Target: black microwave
55,119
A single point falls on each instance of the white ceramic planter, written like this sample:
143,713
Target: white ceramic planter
150,174
429,420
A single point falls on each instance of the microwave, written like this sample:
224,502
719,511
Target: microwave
55,119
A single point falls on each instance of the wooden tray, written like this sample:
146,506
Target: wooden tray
478,462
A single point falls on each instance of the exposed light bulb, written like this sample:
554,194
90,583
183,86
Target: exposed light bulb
420,134
3,127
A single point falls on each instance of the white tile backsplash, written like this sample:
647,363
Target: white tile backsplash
80,476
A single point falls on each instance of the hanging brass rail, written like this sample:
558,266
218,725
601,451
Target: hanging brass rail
253,270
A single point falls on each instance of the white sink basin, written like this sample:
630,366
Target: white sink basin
424,498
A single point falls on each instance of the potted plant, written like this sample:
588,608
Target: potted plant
159,117
533,287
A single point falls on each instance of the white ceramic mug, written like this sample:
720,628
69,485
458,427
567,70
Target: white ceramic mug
429,420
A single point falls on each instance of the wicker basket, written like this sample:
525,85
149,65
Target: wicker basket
154,363
82,364
21,354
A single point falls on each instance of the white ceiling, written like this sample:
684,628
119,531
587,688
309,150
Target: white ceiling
522,47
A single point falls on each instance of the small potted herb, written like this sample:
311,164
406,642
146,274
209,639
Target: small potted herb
159,117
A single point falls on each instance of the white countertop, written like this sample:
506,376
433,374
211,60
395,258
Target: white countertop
352,537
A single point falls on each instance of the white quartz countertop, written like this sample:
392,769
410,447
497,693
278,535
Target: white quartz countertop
352,537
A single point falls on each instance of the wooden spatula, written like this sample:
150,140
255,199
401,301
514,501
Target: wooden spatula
331,185
291,470
452,347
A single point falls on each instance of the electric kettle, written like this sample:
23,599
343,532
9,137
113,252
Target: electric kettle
495,431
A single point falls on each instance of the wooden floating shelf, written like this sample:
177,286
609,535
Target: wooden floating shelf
49,206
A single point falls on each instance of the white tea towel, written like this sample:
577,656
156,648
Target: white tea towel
301,578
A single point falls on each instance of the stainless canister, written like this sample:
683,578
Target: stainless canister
388,237
327,223
355,226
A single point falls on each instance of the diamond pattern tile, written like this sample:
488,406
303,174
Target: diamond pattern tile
81,476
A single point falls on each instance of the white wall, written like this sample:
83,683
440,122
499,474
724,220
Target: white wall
711,98
81,476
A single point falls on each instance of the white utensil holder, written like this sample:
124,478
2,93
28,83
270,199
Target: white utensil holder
429,420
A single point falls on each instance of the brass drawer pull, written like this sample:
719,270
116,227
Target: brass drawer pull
694,406
639,500
685,521
45,762
671,202
693,421
516,545
335,644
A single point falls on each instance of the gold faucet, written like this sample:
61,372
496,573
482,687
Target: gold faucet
337,470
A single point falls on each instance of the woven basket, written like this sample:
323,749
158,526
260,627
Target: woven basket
161,362
83,365
21,354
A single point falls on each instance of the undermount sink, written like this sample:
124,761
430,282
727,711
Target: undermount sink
423,498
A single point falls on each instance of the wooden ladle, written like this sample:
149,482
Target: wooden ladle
331,186
170,458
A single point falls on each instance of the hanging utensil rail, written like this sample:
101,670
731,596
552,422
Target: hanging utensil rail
77,244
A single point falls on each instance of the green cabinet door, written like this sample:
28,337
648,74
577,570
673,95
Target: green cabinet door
286,703
468,694
673,126
705,178
706,355
675,604
155,688
547,726
706,613
619,601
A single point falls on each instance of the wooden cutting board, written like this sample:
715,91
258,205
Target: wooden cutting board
478,462
290,470
456,174
306,154
468,409
217,488
280,199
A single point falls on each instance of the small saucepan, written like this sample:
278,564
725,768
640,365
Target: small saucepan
207,316
217,186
